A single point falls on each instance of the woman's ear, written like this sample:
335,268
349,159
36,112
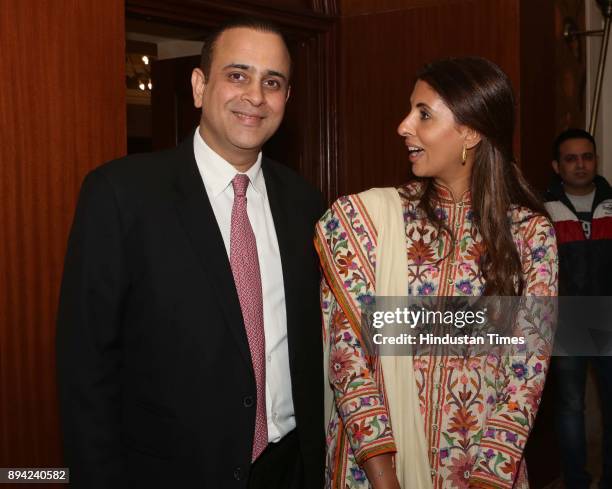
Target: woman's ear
472,137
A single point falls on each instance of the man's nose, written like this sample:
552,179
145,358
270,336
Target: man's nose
254,94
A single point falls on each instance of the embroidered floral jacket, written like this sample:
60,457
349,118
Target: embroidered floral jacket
478,411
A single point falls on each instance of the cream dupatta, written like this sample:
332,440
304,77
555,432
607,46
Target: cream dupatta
412,464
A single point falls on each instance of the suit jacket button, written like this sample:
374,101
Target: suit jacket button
237,473
248,401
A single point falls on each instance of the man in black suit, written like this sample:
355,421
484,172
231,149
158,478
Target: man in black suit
189,337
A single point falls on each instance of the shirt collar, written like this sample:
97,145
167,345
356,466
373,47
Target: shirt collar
217,173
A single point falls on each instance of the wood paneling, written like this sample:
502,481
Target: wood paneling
207,13
296,5
382,52
537,128
62,112
570,66
537,95
380,56
364,7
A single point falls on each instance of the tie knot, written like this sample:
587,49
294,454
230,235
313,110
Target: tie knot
240,184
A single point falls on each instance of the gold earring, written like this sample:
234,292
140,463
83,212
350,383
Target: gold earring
464,155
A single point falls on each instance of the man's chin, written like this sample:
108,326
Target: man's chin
583,183
250,143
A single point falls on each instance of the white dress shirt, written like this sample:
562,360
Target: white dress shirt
217,175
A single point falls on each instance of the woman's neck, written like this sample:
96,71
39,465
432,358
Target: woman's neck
457,187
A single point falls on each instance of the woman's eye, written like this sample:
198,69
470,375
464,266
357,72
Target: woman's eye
424,115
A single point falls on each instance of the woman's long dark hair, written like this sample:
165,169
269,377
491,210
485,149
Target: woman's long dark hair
479,94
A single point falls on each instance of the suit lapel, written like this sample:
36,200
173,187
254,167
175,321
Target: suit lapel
279,197
198,219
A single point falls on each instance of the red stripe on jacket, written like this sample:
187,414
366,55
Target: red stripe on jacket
601,228
568,231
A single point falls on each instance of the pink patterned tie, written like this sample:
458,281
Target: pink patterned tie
245,267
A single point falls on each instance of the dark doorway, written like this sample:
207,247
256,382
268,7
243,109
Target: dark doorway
154,49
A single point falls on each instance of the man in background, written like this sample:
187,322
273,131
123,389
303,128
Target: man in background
580,204
189,334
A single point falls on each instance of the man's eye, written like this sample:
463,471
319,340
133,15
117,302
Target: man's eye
570,158
588,156
272,84
236,76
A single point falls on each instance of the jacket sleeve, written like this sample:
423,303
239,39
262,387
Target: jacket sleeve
521,373
357,395
88,338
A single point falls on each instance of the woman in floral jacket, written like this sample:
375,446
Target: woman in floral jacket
472,227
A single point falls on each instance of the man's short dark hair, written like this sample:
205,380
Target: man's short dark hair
245,22
571,134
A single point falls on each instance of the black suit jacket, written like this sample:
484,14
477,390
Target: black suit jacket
155,377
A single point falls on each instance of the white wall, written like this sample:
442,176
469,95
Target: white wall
178,48
603,134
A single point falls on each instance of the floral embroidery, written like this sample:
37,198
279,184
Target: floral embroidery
465,287
340,362
419,252
426,288
477,411
539,253
459,469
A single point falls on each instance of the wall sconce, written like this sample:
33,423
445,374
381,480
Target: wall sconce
145,86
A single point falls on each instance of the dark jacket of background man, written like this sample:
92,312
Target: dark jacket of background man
580,204
585,265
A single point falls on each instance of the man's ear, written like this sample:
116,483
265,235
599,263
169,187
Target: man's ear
198,85
555,166
288,93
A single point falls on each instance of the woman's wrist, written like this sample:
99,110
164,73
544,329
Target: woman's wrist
380,470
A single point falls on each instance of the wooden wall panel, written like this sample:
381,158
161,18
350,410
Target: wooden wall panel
570,66
364,7
62,112
538,115
537,127
380,55
296,5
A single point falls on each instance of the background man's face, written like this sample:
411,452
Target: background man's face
243,98
577,165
